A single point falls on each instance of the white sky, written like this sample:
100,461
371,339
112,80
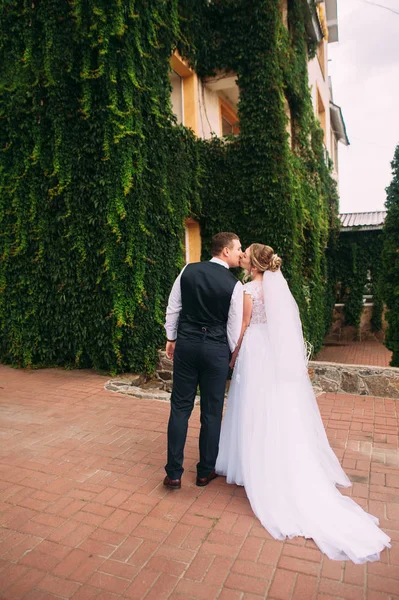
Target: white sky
364,67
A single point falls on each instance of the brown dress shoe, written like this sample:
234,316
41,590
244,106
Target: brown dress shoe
172,484
202,481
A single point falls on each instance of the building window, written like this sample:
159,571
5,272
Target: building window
321,114
228,119
177,96
184,96
192,241
227,128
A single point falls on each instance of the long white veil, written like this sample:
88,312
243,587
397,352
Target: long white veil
284,327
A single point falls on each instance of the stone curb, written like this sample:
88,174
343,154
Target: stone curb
115,385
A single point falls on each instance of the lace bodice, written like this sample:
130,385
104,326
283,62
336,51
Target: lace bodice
255,290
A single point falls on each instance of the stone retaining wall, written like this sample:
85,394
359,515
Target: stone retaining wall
326,377
355,379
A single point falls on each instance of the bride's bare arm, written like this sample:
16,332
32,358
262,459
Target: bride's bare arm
246,318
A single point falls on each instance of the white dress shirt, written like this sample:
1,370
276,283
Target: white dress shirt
234,321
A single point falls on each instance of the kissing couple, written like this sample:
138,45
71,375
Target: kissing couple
272,440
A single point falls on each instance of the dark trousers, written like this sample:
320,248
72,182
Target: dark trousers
197,362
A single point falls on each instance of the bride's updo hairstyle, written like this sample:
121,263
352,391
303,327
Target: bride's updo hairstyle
263,258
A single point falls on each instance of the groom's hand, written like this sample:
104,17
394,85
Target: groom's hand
233,358
170,349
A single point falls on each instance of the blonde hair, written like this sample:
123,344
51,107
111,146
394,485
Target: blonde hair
263,258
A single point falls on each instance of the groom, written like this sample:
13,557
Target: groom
203,324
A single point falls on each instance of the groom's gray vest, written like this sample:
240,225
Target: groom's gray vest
206,290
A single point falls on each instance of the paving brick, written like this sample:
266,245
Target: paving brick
113,567
40,561
199,567
194,538
86,568
282,585
298,565
126,548
227,594
246,583
164,565
192,589
25,545
218,571
91,546
89,512
162,587
108,537
303,552
342,590
85,592
251,549
61,587
332,569
24,584
253,570
383,584
12,574
305,587
173,553
70,562
141,584
143,553
108,583
355,574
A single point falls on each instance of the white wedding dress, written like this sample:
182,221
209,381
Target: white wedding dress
273,440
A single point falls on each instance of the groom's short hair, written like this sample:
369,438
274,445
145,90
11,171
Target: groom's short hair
222,240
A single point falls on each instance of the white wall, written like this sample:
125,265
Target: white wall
209,112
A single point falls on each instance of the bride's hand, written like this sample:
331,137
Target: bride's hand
233,358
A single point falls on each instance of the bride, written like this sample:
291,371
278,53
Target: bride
273,440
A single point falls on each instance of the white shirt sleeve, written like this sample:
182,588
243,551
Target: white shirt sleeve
234,321
173,309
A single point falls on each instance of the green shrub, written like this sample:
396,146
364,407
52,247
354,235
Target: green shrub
390,261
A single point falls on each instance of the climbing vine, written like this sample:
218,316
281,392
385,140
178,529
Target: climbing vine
96,177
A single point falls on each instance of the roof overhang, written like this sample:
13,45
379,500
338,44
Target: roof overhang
332,20
362,221
338,124
312,24
362,228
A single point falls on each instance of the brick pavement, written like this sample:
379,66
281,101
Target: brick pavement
84,514
356,353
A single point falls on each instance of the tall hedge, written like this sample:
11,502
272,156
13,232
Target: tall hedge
390,262
95,181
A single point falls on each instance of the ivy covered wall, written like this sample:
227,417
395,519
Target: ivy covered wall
95,181
96,178
259,184
358,267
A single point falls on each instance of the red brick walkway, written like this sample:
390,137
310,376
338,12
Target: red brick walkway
356,353
84,514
